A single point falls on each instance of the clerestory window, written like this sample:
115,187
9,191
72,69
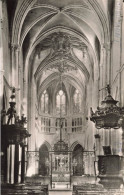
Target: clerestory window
76,102
60,102
44,102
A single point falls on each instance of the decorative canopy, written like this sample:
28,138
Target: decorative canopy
14,132
109,115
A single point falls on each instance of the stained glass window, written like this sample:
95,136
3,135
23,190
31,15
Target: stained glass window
44,102
76,102
61,102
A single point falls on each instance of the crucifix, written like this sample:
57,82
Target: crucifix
61,120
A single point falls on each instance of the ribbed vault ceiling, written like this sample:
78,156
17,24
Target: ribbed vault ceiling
60,37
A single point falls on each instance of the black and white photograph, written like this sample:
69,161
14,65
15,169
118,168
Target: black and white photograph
62,97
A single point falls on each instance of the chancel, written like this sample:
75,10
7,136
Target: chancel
62,97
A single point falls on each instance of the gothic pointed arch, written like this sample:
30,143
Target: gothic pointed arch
77,101
47,144
77,160
74,145
45,102
43,159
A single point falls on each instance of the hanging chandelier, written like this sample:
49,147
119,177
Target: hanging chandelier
109,115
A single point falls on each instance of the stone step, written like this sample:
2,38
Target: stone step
8,192
26,190
98,193
95,189
60,192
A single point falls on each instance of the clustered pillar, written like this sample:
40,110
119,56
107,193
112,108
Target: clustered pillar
15,163
23,165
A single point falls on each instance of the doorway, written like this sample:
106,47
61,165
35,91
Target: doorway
43,160
77,159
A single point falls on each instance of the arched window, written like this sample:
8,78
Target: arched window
76,102
44,102
61,102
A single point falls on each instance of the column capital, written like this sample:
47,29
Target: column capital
106,46
14,47
11,46
17,48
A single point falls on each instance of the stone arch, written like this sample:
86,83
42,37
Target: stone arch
77,159
74,81
46,144
20,14
43,158
103,19
74,145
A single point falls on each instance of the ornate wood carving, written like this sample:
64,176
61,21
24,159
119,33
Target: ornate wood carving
109,170
13,134
109,115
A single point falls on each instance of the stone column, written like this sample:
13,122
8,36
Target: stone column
16,167
123,141
15,72
25,86
5,170
8,163
101,85
12,51
105,68
85,157
104,73
106,137
31,116
1,56
12,162
69,125
31,164
123,150
119,142
97,146
108,62
17,78
23,164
